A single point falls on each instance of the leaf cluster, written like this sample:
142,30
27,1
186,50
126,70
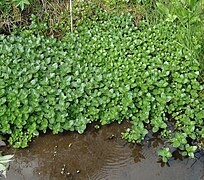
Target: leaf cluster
106,70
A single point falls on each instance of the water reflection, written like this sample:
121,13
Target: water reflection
98,154
137,154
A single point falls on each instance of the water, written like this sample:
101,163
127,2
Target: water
98,155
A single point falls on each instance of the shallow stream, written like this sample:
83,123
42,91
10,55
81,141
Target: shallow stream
98,155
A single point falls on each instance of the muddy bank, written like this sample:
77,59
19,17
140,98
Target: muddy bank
97,155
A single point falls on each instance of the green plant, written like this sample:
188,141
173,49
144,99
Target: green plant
113,2
190,150
187,11
96,126
5,7
107,71
188,14
21,3
165,154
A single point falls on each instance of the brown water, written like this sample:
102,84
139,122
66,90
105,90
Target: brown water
97,155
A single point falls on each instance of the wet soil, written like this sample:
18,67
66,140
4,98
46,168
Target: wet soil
98,155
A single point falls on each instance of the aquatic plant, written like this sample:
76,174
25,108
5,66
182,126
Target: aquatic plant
107,70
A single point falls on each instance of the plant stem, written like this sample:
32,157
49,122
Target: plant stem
71,17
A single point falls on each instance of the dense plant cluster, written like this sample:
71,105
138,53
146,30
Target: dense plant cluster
189,15
107,70
6,5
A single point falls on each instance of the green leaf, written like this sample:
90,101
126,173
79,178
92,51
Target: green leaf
21,3
162,8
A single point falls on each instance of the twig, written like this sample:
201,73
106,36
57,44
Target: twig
71,17
44,5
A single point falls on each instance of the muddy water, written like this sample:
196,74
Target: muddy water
98,155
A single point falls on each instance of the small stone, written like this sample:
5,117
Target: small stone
78,171
70,144
112,136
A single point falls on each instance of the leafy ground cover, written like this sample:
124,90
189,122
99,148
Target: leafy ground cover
108,69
